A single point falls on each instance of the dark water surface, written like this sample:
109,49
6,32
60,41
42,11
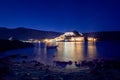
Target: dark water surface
69,51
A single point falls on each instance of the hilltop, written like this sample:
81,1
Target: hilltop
22,33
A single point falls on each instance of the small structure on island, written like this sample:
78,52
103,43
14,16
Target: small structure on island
72,36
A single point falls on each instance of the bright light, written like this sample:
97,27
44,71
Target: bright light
95,39
91,39
72,39
46,40
50,40
80,39
77,39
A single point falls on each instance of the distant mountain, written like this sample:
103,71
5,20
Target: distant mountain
25,33
106,35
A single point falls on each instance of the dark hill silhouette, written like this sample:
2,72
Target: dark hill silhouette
106,35
25,33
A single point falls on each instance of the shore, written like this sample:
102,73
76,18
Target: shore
33,70
6,45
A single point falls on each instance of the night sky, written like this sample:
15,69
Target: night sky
61,15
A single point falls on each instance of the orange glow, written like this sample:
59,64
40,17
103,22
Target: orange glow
95,39
46,40
59,39
91,39
77,39
80,39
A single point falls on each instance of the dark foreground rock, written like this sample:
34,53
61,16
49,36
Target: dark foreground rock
15,44
33,70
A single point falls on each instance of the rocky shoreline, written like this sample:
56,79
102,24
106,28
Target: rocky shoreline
33,70
12,44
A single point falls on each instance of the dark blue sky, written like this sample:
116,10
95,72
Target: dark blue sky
61,15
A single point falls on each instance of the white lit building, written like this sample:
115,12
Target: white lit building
73,36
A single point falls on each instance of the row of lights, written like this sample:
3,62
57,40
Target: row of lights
60,39
91,39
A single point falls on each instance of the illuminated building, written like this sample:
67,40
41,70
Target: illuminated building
73,36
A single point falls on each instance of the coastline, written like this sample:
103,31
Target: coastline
6,45
33,70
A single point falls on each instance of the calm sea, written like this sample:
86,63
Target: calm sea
69,51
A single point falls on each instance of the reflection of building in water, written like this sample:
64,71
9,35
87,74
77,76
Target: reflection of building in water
76,51
92,52
70,36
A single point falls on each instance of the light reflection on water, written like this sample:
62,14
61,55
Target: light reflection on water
69,51
66,51
75,51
